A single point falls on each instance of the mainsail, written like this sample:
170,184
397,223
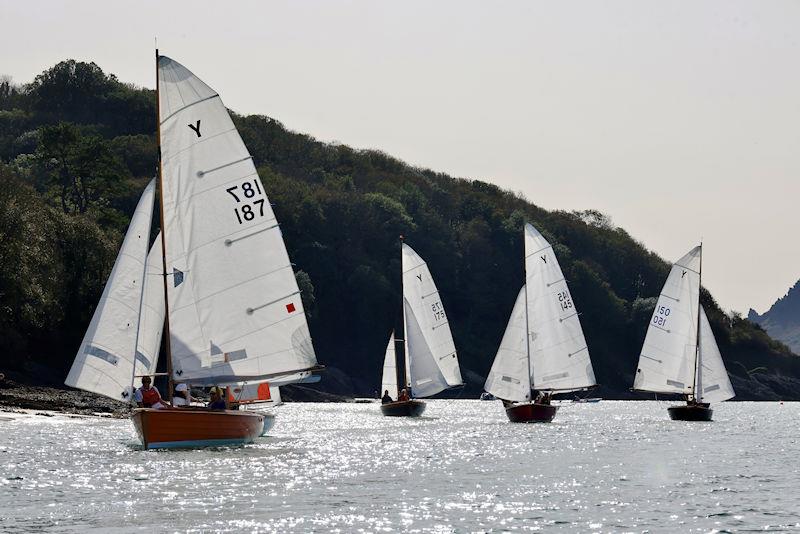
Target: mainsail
106,358
666,363
433,362
559,355
235,311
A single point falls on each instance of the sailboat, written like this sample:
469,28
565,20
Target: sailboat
543,347
680,354
422,358
231,305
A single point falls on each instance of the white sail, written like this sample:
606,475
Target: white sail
666,363
509,377
151,322
235,307
714,385
425,375
389,379
423,306
559,355
105,361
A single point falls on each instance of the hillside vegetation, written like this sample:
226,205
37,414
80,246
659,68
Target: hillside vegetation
78,146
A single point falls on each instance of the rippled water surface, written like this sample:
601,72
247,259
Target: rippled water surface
612,466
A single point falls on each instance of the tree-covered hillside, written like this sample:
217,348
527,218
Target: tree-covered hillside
78,146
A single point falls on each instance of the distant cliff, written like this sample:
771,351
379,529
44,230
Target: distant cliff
782,320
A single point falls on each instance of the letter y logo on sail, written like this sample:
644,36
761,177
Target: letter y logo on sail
196,128
544,259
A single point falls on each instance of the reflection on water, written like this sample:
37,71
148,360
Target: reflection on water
612,466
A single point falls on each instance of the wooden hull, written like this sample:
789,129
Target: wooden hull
531,412
410,408
180,428
690,412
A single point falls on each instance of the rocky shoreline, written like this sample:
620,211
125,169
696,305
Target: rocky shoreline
19,396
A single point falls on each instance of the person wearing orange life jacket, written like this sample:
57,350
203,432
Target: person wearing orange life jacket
148,396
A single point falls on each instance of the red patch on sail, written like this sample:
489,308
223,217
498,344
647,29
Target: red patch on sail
290,307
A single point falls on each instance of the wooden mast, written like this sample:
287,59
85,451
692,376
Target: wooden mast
163,237
400,335
697,339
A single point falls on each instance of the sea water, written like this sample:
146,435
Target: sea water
606,467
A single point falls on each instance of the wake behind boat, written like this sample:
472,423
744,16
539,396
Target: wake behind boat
424,362
543,347
230,302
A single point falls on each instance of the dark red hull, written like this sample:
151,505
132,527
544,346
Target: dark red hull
531,412
690,412
410,408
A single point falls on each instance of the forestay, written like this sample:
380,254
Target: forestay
105,361
559,355
509,377
666,363
425,315
713,383
151,322
235,307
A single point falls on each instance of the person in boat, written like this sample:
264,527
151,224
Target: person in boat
147,396
217,401
543,398
181,396
386,399
403,397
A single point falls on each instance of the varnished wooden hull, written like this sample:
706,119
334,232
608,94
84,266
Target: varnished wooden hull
197,427
409,408
531,412
690,412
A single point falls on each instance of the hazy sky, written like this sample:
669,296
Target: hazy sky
679,119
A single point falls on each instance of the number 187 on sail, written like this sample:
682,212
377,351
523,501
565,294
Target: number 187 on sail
247,210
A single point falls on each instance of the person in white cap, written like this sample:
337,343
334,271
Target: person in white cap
181,395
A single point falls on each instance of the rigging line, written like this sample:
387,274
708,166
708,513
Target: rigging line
671,298
554,283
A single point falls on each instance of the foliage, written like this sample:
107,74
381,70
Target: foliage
79,147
